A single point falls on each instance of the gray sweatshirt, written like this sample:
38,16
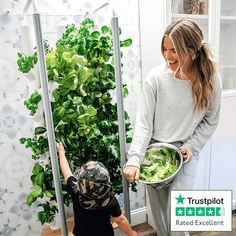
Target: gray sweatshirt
166,113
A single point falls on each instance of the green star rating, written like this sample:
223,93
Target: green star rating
199,211
220,211
210,211
180,211
180,199
190,211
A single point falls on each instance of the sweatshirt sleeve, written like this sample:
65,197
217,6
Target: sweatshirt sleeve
208,124
144,124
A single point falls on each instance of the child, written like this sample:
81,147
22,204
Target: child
93,201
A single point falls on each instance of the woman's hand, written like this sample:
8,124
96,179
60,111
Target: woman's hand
131,173
186,154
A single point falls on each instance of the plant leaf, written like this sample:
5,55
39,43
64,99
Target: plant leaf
37,190
30,199
48,194
126,43
91,111
37,169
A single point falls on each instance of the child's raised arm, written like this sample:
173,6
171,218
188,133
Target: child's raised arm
65,168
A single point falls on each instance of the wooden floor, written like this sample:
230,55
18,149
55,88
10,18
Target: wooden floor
233,233
143,230
147,230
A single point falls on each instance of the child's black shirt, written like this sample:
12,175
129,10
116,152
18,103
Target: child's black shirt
92,222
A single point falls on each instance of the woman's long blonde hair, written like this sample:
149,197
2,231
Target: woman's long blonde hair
187,38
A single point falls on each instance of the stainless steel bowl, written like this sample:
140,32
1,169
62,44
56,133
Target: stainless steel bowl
165,182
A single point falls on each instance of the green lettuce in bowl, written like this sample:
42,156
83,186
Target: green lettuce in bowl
162,162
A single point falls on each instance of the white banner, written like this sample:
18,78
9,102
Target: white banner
201,210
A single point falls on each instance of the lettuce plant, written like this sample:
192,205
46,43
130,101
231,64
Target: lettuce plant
84,113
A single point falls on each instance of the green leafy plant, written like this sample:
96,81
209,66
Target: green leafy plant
26,63
48,213
32,102
159,164
84,113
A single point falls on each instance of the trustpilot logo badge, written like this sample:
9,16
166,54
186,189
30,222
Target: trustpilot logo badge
201,210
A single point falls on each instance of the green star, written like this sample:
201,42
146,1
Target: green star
180,199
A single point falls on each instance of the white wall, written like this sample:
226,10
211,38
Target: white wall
152,25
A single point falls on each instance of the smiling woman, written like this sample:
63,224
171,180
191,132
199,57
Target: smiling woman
180,105
173,61
169,54
195,59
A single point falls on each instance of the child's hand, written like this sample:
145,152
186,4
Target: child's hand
60,148
64,165
134,233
